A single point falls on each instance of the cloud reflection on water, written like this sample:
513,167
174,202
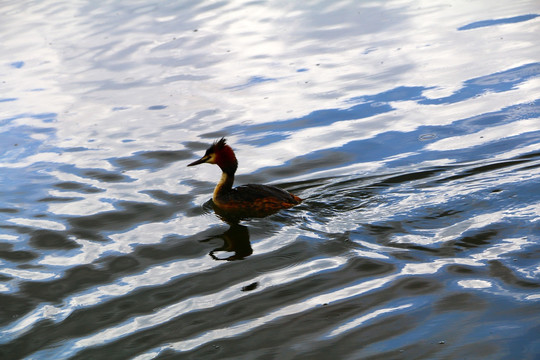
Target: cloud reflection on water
414,142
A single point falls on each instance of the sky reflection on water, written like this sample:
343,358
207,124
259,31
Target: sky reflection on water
410,129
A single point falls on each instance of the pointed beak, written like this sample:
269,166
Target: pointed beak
200,161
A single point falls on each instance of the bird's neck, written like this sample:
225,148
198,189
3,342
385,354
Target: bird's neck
224,185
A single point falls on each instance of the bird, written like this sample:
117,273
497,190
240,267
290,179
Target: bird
251,200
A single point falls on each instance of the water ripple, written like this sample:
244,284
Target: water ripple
414,144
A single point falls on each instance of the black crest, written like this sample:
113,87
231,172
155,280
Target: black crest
216,146
219,144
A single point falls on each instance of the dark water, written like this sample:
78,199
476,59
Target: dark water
412,131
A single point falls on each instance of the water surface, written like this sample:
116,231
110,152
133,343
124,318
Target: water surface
411,129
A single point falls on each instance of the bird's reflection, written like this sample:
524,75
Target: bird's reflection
236,238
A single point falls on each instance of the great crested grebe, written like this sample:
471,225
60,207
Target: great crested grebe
250,199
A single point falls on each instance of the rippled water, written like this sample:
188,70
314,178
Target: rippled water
411,129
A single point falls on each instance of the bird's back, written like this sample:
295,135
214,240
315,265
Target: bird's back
257,197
